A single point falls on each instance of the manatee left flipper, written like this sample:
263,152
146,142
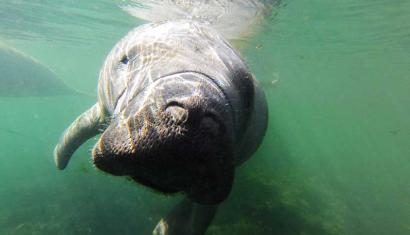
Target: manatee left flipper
87,125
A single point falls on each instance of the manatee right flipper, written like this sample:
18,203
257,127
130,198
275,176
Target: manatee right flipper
87,125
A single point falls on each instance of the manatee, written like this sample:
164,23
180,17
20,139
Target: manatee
21,75
178,110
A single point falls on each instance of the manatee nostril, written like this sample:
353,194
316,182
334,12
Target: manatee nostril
178,112
174,103
212,124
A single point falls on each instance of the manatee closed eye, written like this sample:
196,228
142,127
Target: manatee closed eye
178,110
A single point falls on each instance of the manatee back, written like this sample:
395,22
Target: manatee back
155,50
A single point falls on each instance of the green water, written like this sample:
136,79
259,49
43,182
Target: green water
336,158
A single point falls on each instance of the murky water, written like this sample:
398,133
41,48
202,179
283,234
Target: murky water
336,158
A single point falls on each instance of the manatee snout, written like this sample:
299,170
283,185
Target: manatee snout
172,142
112,153
127,143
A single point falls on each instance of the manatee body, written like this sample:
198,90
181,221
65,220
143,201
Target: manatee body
178,110
21,75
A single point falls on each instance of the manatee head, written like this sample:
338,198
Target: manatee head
175,135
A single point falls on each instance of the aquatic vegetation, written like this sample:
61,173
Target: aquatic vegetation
266,204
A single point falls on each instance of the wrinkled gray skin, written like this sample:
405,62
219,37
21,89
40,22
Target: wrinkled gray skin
178,110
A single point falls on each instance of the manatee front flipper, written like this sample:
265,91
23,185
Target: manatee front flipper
186,218
193,215
84,127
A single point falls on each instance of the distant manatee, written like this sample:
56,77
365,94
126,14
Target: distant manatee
21,75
